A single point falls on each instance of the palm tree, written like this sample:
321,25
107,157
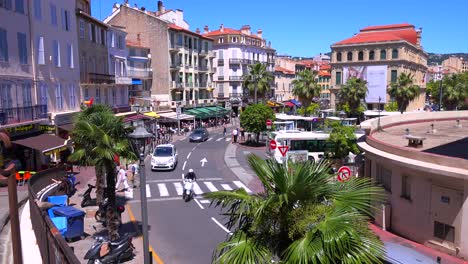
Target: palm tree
403,91
454,90
306,88
303,216
258,80
352,93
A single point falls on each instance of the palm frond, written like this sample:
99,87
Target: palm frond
242,249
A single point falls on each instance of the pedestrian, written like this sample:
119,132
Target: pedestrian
224,130
234,135
242,132
134,168
122,177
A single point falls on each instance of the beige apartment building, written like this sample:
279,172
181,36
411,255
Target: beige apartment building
455,65
283,83
379,54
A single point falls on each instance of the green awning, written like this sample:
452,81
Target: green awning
196,113
219,111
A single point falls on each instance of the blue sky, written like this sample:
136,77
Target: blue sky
308,27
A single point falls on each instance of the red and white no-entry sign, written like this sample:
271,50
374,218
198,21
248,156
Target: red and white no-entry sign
272,144
344,173
283,150
268,124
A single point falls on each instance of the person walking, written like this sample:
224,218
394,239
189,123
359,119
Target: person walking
224,130
134,168
234,136
122,177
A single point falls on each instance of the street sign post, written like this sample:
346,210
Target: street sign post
344,173
283,150
272,144
268,124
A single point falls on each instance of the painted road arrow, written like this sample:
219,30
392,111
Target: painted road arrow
203,161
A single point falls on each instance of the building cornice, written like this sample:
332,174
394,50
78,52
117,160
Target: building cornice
371,45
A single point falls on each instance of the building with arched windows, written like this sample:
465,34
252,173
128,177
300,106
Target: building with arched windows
379,54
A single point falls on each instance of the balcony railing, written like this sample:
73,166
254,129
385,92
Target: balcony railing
246,61
203,53
203,68
16,115
94,77
175,85
236,78
220,78
220,62
235,61
123,80
235,95
176,65
220,95
203,85
174,46
139,72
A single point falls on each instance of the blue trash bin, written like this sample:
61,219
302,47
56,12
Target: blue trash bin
75,220
60,200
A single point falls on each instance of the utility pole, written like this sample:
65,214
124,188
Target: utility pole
440,93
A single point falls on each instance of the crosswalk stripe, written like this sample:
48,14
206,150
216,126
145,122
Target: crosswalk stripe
178,187
210,139
226,187
219,139
148,191
241,185
211,186
197,188
163,189
228,139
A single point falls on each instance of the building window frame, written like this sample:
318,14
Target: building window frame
395,54
37,9
393,76
360,56
19,6
338,78
3,45
22,48
40,50
406,187
53,14
384,177
349,56
72,95
82,28
383,54
58,96
444,231
5,4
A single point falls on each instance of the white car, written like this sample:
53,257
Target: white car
164,157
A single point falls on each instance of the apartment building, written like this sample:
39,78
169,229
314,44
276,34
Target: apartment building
379,54
455,64
235,50
283,83
324,80
139,71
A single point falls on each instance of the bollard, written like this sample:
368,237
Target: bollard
14,219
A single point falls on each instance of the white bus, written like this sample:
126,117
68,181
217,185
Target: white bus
313,142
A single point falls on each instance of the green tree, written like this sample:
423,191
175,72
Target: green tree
404,91
306,87
454,90
351,94
302,216
254,117
311,109
258,80
391,107
342,141
100,137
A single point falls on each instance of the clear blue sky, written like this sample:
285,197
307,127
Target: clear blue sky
308,27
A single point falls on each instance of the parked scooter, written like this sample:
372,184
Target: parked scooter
105,251
188,190
100,215
87,200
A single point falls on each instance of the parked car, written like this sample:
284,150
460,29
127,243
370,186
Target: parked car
164,157
199,135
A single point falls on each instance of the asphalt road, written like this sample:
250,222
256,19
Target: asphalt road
183,232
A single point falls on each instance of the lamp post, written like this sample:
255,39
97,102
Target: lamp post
139,138
378,123
440,93
342,116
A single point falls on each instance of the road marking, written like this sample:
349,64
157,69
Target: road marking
209,139
199,204
203,161
219,139
228,139
222,226
247,152
205,201
148,191
179,188
211,186
188,156
194,148
155,200
197,189
162,189
178,180
241,185
183,167
226,187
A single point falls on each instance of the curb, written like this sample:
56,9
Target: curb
4,219
230,159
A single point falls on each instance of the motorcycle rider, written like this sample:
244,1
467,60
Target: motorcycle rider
190,176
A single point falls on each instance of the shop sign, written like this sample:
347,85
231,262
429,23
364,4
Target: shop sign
47,128
57,150
21,130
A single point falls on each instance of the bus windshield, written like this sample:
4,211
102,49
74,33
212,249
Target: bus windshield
311,145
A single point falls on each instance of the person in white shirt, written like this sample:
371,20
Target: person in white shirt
234,135
122,177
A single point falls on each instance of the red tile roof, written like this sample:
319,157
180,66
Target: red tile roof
229,31
137,43
283,70
325,67
175,27
398,32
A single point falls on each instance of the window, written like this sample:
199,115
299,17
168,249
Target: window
338,78
56,49
349,56
22,48
65,20
82,29
371,55
43,93
114,97
19,6
122,96
393,76
394,54
383,54
444,231
361,56
58,97
40,51
27,100
37,9
384,177
5,4
72,94
86,93
92,32
6,100
53,14
3,45
406,187
70,60
338,56
103,36
120,42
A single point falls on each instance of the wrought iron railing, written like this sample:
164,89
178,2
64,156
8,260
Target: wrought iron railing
16,115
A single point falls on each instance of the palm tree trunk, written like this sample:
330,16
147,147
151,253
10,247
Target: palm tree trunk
255,98
111,218
99,184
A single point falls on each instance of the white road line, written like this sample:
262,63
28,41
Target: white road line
220,225
219,139
197,189
210,139
228,139
178,187
148,191
178,180
226,187
194,148
199,204
185,163
211,186
188,156
163,189
241,185
156,200
247,152
205,201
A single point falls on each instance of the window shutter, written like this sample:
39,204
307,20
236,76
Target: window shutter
90,32
3,45
68,21
8,4
40,49
113,40
62,15
55,52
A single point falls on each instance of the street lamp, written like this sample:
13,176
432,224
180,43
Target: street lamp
378,123
440,94
342,116
139,138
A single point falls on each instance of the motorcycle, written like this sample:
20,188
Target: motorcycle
188,190
106,251
100,215
87,200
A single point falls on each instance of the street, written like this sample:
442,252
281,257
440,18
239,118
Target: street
183,232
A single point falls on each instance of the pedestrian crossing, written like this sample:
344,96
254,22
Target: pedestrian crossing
227,139
171,189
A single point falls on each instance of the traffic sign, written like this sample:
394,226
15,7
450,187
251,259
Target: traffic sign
283,150
272,144
268,124
344,173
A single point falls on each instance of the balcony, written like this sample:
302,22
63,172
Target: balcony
211,54
174,47
139,72
17,115
123,80
220,95
203,68
236,78
220,78
235,95
246,61
220,62
203,84
176,65
176,85
203,53
100,78
235,61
